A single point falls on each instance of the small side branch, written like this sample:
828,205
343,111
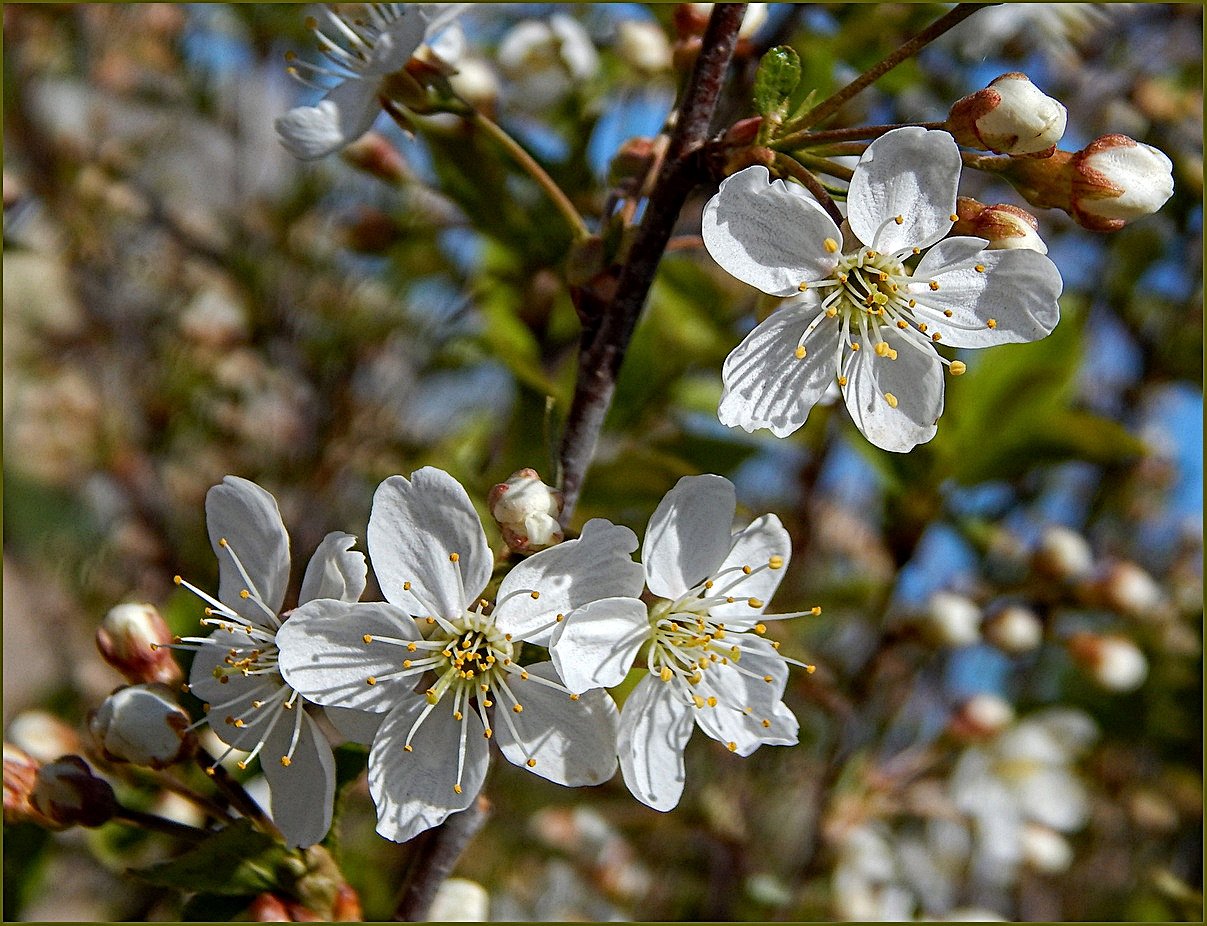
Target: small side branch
436,858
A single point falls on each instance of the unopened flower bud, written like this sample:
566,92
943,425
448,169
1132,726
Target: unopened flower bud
476,83
1117,179
42,735
643,46
952,620
982,716
1010,116
1003,226
1114,662
459,900
1128,589
527,511
134,639
347,906
143,725
1045,850
20,775
68,794
375,154
1014,629
1063,554
272,908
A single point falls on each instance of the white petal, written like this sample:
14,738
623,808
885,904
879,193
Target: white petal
573,742
769,724
769,235
304,792
414,791
766,384
689,534
414,528
1055,798
325,657
1018,289
337,120
909,172
335,570
353,725
753,546
210,688
914,379
248,518
599,564
655,726
394,47
594,646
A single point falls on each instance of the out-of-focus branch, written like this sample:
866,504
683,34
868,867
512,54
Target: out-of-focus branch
604,343
435,854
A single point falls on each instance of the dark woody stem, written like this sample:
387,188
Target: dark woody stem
235,792
435,854
149,821
829,106
796,171
609,319
825,166
855,133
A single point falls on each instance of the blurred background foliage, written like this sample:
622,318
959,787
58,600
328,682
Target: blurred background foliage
183,301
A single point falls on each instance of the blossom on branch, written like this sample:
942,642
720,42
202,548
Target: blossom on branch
862,311
432,561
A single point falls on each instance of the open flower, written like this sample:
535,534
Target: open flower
701,640
360,54
862,314
432,561
249,705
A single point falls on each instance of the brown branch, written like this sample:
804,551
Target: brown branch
798,171
435,855
606,337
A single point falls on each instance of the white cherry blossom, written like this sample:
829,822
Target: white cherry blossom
360,54
235,669
864,313
432,561
701,640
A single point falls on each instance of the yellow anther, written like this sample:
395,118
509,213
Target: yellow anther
457,715
244,593
371,680
488,732
979,268
766,724
408,748
855,346
524,676
902,325
431,697
754,603
222,542
922,327
958,368
286,761
934,286
257,704
936,336
698,701
799,353
948,313
810,669
892,354
831,312
411,647
913,303
891,399
746,570
406,586
666,674
535,595
899,219
406,663
454,557
242,765
842,380
954,217
760,628
882,349
708,584
776,562
992,323
815,610
803,286
517,708
712,702
457,788
883,278
368,638
486,702
916,250
573,697
768,679
730,600
830,245
731,746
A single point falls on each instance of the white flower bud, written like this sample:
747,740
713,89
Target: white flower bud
42,735
982,716
1130,590
134,638
1063,554
643,46
1117,179
476,83
459,900
143,725
377,155
1045,850
546,59
952,620
527,511
68,794
1114,662
1010,116
20,775
1014,629
1004,226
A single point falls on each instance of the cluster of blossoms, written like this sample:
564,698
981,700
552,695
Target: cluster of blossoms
433,675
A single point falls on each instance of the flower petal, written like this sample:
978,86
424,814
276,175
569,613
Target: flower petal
766,384
689,534
738,722
769,235
915,382
414,790
753,546
353,725
572,741
594,646
303,792
248,518
338,119
210,668
909,172
655,725
1018,289
599,564
414,528
335,570
323,653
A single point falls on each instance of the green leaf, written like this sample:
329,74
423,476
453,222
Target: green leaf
777,77
237,860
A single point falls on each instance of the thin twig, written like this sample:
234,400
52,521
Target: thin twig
798,171
829,106
234,792
435,857
825,166
149,821
854,133
606,338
